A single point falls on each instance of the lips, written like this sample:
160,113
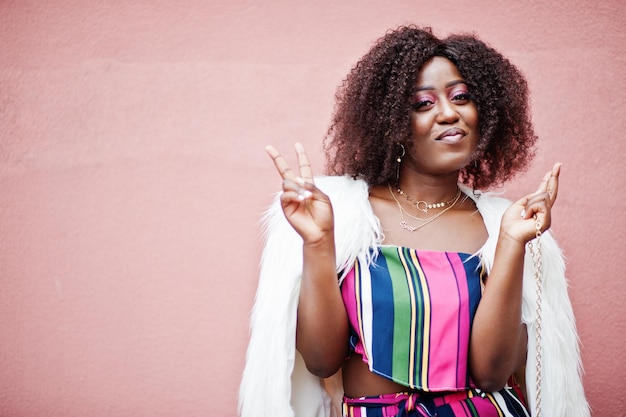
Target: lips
452,135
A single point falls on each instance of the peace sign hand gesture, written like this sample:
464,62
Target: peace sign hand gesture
520,220
306,208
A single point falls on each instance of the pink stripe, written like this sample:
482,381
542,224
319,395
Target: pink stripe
448,322
348,293
460,409
463,316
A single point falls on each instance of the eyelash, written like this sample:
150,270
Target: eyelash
419,104
463,96
466,96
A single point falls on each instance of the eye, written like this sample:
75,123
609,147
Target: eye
422,104
462,97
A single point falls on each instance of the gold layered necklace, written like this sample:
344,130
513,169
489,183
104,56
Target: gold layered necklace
423,206
409,228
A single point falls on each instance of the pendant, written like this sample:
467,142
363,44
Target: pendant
405,226
422,206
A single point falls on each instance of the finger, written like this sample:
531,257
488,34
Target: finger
522,205
543,185
280,163
538,198
533,203
289,197
298,188
538,205
306,173
550,182
540,216
553,182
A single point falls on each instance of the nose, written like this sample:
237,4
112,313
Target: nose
447,112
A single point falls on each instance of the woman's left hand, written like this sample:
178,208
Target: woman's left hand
519,222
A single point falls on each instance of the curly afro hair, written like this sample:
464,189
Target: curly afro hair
373,108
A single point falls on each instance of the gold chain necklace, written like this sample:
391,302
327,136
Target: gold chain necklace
409,228
423,206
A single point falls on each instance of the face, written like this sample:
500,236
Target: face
444,121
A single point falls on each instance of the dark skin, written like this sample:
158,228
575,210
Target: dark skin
429,172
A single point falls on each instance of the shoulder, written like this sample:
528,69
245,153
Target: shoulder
356,227
348,196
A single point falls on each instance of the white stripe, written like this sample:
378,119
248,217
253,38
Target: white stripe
502,403
366,305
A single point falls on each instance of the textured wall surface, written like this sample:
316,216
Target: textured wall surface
132,178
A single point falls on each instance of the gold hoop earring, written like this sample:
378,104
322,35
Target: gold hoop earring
399,161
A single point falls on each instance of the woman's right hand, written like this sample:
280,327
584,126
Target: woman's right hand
322,329
306,208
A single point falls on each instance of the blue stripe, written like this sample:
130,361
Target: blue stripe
382,300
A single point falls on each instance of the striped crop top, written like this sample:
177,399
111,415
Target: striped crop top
411,314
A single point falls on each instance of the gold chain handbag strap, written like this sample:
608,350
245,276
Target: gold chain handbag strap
535,253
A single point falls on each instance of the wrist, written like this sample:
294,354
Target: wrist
511,243
324,242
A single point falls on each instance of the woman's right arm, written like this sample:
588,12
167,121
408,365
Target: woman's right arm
322,326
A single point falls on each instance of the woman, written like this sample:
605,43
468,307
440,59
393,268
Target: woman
434,311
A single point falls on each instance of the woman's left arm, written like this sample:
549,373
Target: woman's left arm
498,341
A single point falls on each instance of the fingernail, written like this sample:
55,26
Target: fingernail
523,213
304,194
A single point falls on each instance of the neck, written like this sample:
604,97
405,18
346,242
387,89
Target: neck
428,187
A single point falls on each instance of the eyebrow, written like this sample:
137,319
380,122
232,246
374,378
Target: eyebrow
448,85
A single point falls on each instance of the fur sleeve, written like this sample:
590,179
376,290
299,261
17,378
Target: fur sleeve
265,387
561,387
275,381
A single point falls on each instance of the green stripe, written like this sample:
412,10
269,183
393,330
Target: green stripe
402,324
471,407
419,320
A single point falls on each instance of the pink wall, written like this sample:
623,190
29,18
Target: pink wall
132,178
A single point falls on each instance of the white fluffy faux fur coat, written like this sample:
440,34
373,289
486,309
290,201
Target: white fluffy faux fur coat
275,381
